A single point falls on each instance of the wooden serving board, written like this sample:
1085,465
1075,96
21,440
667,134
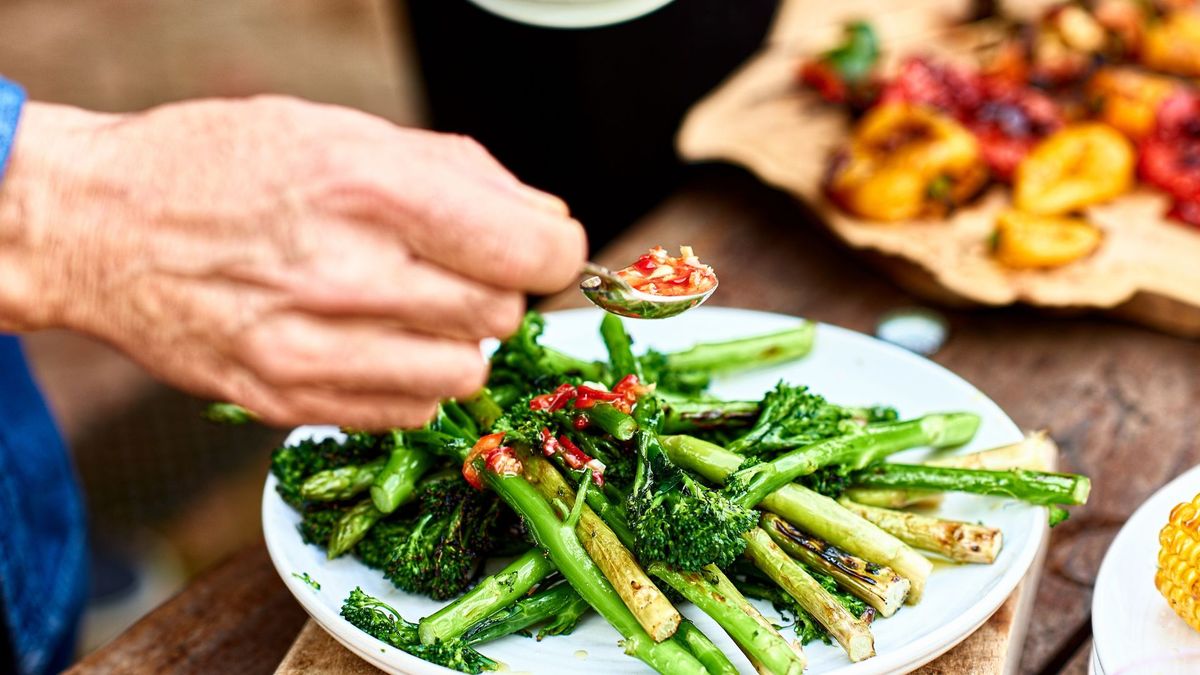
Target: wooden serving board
1148,268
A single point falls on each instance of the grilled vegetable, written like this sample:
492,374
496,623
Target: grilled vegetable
1179,560
1030,241
1081,165
1128,99
906,161
1172,44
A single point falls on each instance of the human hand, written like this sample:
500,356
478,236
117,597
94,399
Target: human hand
312,263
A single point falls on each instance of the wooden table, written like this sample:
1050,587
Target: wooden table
1119,399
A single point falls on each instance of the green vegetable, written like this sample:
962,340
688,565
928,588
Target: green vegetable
344,482
559,605
228,413
750,485
1035,487
397,480
488,598
379,620
793,417
452,536
558,538
675,519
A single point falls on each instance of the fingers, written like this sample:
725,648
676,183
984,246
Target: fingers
294,351
370,412
458,208
414,294
499,241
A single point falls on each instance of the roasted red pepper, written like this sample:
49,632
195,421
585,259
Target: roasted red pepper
497,457
1006,117
572,455
1170,157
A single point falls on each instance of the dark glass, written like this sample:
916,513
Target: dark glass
588,114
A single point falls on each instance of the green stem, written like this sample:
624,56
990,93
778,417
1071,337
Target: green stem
341,483
749,486
877,585
688,415
812,512
958,541
489,596
851,632
545,605
567,554
1035,487
750,352
352,527
707,653
713,592
620,348
614,422
397,481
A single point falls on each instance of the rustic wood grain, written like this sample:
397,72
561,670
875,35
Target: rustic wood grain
238,618
316,653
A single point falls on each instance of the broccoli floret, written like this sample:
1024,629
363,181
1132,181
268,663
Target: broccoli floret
455,529
291,464
379,620
382,540
523,363
318,520
674,518
793,417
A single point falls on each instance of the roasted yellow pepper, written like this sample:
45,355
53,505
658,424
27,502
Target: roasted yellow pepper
1178,575
906,161
1079,165
1172,44
1128,99
1030,241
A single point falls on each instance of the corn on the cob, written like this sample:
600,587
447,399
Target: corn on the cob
1178,576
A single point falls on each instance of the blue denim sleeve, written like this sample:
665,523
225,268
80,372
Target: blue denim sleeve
43,550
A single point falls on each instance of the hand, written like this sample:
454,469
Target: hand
312,263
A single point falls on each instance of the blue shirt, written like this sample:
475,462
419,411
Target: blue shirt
43,549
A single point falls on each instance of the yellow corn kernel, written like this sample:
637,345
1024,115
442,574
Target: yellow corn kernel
1029,241
1178,575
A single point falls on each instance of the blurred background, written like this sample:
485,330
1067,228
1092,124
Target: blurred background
169,494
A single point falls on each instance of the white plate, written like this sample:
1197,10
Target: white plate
1131,623
845,366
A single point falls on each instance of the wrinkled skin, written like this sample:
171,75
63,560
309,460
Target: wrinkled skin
312,263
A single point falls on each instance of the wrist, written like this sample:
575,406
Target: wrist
37,250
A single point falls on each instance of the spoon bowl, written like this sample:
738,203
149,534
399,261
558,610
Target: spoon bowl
611,293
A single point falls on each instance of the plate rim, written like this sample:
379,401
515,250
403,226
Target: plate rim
1117,548
912,656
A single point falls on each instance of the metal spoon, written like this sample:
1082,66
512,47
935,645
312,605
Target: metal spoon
611,293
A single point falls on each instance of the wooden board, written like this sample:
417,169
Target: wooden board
1146,268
